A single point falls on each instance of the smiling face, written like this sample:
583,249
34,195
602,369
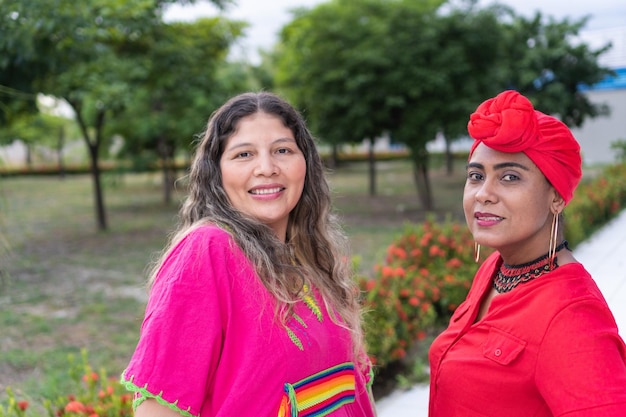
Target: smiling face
508,204
263,170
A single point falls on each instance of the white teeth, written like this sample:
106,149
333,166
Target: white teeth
490,218
265,191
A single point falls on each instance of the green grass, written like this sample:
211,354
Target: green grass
65,286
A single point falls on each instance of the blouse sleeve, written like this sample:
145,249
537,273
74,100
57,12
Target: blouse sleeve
181,335
581,369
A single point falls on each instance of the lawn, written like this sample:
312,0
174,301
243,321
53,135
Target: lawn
65,286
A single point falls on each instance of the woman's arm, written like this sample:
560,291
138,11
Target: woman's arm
151,408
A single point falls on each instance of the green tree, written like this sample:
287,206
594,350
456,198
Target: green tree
183,84
362,69
89,54
334,62
547,62
39,129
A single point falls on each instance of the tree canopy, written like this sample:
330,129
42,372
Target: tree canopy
360,69
95,55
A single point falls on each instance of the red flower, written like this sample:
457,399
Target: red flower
92,377
75,407
435,251
454,263
22,405
399,353
387,271
414,301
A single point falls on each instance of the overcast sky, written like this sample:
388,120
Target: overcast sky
266,17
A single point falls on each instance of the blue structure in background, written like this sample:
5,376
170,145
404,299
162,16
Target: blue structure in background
609,83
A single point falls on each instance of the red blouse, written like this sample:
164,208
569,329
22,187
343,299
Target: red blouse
550,347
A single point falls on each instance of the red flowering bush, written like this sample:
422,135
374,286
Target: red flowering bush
595,203
426,275
96,395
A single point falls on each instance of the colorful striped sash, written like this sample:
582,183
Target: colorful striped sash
320,394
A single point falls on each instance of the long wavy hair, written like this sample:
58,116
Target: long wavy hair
315,249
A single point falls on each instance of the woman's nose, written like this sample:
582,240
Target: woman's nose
266,166
486,193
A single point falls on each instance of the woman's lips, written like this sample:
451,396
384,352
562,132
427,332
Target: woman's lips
487,219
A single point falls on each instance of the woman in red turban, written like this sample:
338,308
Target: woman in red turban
534,337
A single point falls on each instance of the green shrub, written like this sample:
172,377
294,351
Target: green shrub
426,275
96,395
595,203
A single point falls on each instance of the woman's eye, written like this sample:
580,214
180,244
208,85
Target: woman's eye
243,154
284,150
510,177
474,176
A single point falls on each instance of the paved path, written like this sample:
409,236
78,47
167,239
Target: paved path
603,255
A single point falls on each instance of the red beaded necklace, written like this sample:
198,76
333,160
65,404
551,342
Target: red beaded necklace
510,276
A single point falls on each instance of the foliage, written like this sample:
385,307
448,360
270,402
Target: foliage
425,276
595,202
95,55
619,146
388,68
546,61
181,88
96,395
361,69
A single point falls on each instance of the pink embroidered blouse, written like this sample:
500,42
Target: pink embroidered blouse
210,344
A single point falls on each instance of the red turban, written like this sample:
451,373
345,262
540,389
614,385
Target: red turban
509,123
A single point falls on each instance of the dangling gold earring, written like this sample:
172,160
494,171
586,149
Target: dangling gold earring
554,232
476,251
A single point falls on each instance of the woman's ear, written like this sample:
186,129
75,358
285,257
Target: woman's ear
558,203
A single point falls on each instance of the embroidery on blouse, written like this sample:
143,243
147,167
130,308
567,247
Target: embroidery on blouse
320,394
141,393
310,302
296,325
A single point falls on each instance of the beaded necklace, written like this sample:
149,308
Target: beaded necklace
510,276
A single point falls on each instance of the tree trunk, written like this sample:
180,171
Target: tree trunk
371,157
93,148
60,145
97,187
29,156
449,157
422,181
331,160
166,153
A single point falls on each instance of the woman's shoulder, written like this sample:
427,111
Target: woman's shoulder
574,280
206,236
209,231
203,240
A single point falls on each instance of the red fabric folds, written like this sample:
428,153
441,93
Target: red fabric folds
509,123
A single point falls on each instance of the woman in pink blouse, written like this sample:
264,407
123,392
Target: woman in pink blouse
253,310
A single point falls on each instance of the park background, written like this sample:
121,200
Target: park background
98,124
